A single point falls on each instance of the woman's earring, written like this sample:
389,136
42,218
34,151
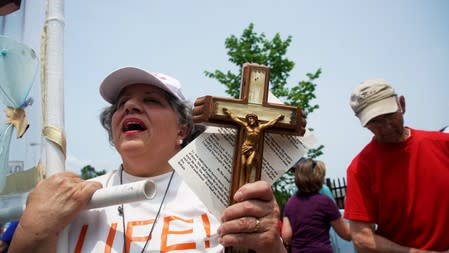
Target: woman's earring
180,141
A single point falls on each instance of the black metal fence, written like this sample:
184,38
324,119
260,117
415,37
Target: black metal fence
338,189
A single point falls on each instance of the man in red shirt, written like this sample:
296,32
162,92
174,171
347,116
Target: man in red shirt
397,197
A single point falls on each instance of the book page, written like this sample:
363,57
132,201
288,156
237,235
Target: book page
206,163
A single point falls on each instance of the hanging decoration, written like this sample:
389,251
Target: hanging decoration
18,67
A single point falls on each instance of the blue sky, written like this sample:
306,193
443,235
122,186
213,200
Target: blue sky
405,42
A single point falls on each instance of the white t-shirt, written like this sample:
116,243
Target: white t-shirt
184,224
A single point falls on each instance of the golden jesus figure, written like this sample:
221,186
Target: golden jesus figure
251,139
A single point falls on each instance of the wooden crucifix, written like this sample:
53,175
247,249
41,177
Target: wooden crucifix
252,105
252,114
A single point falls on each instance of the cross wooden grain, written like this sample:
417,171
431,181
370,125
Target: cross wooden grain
254,92
253,99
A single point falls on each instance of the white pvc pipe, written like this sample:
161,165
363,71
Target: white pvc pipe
115,195
55,161
145,189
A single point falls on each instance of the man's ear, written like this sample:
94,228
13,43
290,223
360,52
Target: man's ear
402,103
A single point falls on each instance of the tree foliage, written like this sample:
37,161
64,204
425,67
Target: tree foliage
90,172
257,48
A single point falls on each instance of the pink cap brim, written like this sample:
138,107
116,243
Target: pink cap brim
115,82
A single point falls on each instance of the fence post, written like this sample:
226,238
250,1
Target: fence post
338,189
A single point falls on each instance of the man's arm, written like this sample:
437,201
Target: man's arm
365,240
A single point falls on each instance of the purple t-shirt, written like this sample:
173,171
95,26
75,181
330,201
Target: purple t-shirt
310,218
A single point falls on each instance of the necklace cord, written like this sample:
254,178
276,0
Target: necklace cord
122,212
158,212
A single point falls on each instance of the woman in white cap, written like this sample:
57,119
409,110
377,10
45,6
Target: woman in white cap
148,122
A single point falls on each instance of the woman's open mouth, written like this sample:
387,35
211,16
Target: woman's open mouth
133,126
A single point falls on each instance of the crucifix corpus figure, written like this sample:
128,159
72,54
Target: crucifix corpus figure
228,112
249,149
254,92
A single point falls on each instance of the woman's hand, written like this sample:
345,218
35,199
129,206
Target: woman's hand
51,206
253,221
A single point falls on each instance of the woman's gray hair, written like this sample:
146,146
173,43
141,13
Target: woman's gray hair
183,110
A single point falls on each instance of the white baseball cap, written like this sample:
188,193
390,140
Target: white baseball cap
115,82
373,98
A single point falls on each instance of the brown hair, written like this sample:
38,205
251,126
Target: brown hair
309,176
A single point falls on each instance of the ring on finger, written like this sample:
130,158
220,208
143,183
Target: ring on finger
257,227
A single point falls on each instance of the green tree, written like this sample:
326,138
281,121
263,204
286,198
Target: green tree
256,48
90,172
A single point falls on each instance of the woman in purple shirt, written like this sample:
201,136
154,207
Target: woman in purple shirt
308,215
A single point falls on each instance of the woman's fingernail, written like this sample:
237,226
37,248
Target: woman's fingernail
238,196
